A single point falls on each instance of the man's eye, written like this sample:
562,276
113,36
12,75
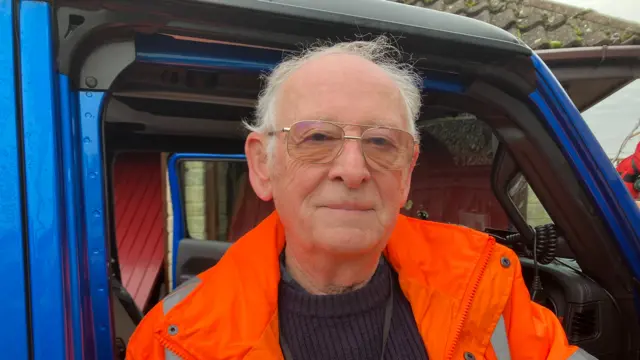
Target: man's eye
318,137
379,141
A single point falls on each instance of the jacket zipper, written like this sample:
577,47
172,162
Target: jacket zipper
177,350
488,250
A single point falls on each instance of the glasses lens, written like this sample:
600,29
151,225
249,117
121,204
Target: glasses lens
314,141
387,148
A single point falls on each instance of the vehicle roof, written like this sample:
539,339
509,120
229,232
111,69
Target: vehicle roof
357,17
386,15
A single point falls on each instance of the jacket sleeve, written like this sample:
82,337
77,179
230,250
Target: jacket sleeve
533,331
143,344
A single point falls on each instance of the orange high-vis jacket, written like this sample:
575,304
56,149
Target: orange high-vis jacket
466,292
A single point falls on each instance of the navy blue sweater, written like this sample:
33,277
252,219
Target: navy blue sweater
350,325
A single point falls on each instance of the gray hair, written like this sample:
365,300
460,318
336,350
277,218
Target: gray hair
380,51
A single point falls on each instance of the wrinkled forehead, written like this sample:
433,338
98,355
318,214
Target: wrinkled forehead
342,89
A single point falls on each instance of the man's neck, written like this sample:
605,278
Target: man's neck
322,274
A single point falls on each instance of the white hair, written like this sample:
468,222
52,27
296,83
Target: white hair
380,51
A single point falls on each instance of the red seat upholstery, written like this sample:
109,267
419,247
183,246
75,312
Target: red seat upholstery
140,223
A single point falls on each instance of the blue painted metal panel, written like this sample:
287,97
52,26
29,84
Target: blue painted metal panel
164,49
443,85
587,157
43,181
13,308
74,249
89,112
179,231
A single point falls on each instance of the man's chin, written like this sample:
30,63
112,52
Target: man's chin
347,239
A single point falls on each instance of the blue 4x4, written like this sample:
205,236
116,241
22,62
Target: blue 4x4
65,65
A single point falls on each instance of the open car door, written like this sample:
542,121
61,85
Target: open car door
203,228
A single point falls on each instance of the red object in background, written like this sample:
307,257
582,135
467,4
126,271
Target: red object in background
629,169
140,223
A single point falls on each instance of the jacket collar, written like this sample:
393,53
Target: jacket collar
233,314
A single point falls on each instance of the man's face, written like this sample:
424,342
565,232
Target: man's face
347,205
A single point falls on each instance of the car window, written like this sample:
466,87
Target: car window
218,200
451,181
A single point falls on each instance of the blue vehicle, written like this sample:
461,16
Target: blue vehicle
85,81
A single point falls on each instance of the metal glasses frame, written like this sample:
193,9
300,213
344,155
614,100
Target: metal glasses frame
287,130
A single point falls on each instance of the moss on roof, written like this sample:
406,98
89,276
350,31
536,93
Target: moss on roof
543,24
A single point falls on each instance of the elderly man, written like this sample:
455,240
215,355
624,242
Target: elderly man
336,272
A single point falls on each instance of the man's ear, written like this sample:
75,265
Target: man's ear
255,148
407,185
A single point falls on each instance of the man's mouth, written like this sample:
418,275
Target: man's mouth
349,207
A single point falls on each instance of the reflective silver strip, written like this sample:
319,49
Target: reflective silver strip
582,355
169,355
179,294
500,342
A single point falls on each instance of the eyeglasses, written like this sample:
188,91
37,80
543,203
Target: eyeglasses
320,142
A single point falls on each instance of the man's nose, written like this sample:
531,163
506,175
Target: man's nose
350,166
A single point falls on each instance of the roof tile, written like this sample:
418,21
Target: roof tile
543,24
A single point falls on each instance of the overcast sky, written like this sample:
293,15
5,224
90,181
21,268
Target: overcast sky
624,9
612,120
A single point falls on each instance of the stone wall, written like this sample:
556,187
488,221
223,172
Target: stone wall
195,205
169,226
195,199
